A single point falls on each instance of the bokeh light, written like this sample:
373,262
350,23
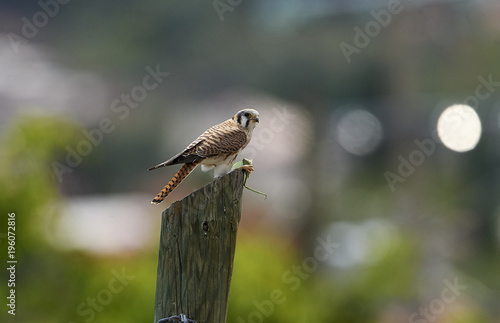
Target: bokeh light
459,128
362,242
359,132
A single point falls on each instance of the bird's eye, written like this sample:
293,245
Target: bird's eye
247,114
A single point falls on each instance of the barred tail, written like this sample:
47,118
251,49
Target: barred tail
176,180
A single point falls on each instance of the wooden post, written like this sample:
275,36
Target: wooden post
197,244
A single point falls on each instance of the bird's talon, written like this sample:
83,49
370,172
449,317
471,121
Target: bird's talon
247,168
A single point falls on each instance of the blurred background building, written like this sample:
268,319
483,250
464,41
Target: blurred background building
378,142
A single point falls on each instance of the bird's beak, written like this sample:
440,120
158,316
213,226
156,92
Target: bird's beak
256,119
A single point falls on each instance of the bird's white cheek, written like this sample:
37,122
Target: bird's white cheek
252,125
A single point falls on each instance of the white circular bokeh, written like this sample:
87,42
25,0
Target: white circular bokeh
359,132
459,128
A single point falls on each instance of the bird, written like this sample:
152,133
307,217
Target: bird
216,148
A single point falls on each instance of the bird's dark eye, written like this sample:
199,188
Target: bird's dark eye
247,114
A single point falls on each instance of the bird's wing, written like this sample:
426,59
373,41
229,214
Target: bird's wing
185,156
221,139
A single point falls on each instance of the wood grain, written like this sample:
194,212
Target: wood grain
197,244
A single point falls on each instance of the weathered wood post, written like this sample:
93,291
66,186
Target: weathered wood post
197,244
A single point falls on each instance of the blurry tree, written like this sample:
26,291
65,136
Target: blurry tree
53,285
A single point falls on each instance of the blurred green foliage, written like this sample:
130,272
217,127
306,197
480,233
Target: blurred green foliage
28,186
319,295
426,55
53,285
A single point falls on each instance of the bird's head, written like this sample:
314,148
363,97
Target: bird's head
247,118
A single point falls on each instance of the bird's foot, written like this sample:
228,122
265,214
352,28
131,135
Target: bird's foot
245,164
247,168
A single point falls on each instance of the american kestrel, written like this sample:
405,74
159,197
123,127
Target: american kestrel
216,148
